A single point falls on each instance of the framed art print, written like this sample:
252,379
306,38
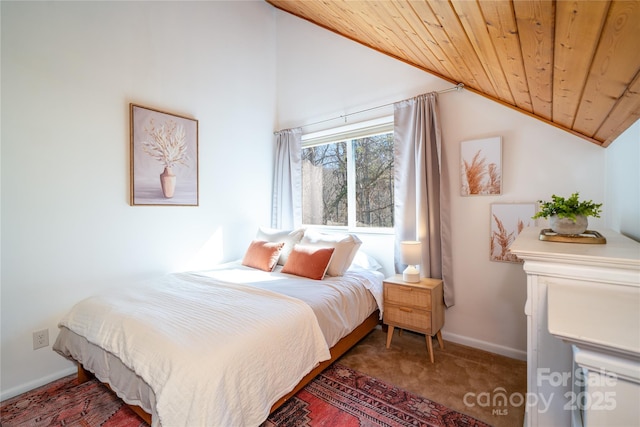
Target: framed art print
164,158
507,221
481,167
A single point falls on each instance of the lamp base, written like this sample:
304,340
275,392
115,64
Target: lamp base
411,274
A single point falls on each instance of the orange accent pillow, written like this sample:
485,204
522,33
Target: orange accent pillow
346,246
308,261
289,237
262,255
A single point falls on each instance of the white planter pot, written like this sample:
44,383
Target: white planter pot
568,226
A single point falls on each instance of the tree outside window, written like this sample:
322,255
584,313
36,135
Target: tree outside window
349,182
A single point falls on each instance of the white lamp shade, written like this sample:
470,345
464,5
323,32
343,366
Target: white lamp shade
411,252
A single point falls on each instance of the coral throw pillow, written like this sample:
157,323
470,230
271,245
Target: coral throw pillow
308,261
262,255
289,237
346,246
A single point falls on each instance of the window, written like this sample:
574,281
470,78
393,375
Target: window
347,176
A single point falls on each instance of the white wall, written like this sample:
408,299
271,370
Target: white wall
69,72
623,183
322,75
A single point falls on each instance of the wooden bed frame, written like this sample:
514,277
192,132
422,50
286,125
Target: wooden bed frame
336,351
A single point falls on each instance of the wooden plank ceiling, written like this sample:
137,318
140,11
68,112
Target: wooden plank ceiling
573,64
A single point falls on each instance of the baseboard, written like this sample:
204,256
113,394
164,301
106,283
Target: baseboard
23,388
486,346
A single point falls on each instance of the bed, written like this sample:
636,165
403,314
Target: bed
228,346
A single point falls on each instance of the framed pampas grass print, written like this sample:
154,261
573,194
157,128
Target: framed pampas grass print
481,166
507,221
164,158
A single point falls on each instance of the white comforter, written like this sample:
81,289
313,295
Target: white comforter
339,303
183,336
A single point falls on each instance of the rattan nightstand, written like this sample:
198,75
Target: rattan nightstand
417,307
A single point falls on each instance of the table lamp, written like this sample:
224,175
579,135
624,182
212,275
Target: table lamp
411,255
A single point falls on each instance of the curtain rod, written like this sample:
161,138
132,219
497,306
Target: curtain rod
457,88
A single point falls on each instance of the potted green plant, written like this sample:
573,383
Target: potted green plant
568,216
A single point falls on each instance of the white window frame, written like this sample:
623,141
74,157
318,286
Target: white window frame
348,133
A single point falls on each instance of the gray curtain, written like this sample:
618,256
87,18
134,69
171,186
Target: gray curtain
421,184
286,207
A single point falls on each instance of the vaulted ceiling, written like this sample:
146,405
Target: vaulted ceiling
572,64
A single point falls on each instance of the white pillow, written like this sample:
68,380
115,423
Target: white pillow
288,237
346,246
366,261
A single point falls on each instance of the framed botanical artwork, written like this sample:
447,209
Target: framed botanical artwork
507,221
481,166
164,158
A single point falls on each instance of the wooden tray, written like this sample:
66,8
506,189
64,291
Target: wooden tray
589,236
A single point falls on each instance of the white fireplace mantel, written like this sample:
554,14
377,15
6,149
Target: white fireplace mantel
583,339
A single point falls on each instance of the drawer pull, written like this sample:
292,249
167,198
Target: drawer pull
407,310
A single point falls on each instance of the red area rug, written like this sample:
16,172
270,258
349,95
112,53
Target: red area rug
66,403
338,397
343,397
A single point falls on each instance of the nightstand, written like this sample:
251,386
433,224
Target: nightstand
417,307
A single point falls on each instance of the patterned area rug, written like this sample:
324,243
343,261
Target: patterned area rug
66,403
338,397
343,397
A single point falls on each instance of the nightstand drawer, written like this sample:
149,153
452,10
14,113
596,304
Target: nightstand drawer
408,317
407,295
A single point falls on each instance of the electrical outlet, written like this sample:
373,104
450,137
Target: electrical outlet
40,339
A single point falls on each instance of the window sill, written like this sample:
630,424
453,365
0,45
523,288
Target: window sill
357,230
